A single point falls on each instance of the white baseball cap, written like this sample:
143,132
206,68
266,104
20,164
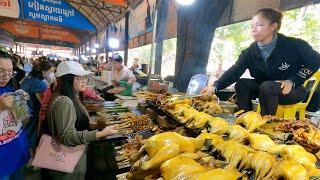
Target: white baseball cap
71,67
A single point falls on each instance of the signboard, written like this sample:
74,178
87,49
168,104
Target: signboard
18,28
34,30
55,12
58,34
140,19
117,2
6,39
9,8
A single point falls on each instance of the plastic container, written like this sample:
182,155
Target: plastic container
128,88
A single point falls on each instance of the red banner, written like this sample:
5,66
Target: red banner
9,8
34,30
117,2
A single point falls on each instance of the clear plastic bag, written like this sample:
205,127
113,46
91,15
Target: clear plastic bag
20,109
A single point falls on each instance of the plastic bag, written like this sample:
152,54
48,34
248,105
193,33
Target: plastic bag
20,108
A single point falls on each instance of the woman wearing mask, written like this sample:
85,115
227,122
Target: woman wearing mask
69,116
49,76
14,148
35,86
278,64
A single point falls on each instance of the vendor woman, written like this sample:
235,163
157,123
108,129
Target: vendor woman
278,64
119,73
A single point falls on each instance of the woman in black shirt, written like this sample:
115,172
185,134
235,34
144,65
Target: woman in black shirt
278,64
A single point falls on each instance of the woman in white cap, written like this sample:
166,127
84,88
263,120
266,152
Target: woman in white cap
70,118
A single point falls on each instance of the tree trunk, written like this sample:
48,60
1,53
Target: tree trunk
195,31
161,33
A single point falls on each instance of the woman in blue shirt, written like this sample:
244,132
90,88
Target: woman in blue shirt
35,87
14,148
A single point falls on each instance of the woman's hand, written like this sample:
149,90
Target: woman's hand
107,131
6,101
208,89
117,90
24,94
100,98
286,86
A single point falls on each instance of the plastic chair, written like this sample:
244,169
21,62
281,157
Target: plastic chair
289,111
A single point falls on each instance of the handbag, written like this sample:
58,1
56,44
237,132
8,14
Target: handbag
50,154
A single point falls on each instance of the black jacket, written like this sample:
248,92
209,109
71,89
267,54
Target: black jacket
291,59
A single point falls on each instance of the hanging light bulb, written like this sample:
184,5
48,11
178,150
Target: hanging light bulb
113,43
185,2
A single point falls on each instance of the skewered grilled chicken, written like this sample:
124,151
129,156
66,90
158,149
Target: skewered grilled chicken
288,170
218,126
218,174
296,153
178,109
208,104
136,173
304,133
171,103
165,146
195,156
309,138
238,133
206,98
233,152
183,112
251,120
199,120
187,115
181,167
261,142
215,139
259,161
314,173
212,108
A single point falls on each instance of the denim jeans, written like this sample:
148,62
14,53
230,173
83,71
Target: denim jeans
17,175
4,178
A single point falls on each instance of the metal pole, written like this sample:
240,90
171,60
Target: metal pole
153,42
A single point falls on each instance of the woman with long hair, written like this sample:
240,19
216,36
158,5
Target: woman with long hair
69,116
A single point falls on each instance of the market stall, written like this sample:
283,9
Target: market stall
249,146
178,136
165,135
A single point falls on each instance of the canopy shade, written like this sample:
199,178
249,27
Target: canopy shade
241,10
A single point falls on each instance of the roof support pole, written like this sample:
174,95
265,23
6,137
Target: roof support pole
160,33
126,38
